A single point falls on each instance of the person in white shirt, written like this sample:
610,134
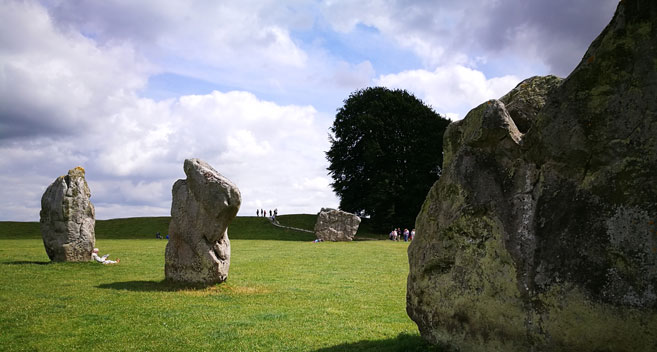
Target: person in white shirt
103,259
393,235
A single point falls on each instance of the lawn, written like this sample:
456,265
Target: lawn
283,293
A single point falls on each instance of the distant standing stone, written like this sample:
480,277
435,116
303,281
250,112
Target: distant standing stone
336,225
68,218
203,206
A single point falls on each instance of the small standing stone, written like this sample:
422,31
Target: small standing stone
68,218
336,225
203,206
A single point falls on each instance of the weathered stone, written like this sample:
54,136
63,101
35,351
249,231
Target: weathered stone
547,240
204,204
68,218
528,98
336,225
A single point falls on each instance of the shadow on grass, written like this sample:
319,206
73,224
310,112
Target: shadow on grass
26,262
366,239
403,342
152,286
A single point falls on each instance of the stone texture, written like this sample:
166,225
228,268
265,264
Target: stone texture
68,218
336,225
525,101
547,240
204,204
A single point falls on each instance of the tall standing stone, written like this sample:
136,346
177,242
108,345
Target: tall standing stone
68,218
203,206
336,225
544,238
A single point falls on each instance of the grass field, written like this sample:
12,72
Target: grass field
283,293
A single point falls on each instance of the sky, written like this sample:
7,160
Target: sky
130,89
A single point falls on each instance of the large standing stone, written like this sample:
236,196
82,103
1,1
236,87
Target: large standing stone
336,225
68,218
547,240
203,206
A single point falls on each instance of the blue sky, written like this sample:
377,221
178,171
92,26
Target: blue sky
128,90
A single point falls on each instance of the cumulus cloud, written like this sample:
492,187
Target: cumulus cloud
263,147
55,81
412,25
351,76
555,33
451,90
258,46
132,147
74,81
251,36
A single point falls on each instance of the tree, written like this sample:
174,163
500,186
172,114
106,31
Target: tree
386,153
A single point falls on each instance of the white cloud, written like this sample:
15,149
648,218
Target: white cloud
552,34
71,74
215,34
421,27
315,184
133,148
350,76
450,90
58,81
264,148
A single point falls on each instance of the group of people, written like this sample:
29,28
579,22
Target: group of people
263,213
397,235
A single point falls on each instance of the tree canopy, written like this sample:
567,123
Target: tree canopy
386,153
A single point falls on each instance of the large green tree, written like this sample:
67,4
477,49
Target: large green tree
386,153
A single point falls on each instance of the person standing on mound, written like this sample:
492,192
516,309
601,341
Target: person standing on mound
103,259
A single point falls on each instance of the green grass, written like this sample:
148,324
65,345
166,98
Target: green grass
284,293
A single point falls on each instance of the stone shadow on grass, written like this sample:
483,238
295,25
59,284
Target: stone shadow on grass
151,286
401,343
25,262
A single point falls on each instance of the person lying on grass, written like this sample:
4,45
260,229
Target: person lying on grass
103,259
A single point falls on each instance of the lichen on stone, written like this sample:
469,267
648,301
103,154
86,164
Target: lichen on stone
540,233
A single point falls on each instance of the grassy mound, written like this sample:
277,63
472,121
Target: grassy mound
252,228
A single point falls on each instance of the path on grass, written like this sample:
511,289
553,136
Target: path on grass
277,224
